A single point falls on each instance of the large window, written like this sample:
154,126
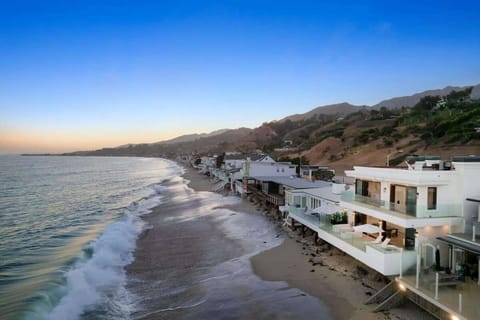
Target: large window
432,198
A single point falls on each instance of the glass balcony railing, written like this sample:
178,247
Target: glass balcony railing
355,239
411,210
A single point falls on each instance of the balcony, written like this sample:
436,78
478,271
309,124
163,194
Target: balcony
446,295
385,260
444,214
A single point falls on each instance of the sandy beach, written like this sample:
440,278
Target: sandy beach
210,256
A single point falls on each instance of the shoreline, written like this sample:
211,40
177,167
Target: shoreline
323,272
296,277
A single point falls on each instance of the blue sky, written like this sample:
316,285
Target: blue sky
81,75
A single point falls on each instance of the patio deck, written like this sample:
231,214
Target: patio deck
448,296
385,260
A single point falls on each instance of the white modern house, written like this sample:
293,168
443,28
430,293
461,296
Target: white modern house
236,160
429,211
410,207
232,168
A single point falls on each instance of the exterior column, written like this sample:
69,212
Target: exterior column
401,263
450,251
453,260
478,275
460,303
417,279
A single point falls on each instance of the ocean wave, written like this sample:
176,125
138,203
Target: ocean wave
99,276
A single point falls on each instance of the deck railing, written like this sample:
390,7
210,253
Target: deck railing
411,210
355,239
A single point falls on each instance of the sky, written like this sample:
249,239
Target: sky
81,75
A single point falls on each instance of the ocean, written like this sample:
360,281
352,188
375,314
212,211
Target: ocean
68,228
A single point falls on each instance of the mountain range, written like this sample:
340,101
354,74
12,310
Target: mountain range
337,134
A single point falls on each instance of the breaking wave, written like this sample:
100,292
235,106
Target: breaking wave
98,279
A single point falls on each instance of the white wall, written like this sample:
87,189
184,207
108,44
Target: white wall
268,169
429,235
468,186
234,163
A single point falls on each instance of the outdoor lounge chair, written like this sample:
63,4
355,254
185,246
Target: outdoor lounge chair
378,239
385,242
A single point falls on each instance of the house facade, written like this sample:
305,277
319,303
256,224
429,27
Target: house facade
415,209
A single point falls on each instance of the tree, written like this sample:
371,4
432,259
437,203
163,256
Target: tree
427,103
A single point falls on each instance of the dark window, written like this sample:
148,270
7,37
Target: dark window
358,189
432,198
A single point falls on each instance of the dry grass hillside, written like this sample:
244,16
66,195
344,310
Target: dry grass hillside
342,156
344,135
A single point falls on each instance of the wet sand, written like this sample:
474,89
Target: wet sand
194,261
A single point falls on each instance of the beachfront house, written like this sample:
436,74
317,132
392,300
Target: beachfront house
236,160
246,182
273,189
207,163
446,273
401,210
420,223
313,204
231,169
414,207
316,172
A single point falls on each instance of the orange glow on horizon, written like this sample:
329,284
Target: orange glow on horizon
41,141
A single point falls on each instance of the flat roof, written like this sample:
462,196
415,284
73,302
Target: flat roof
324,193
294,182
464,244
470,158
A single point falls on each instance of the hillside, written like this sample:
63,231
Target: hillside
410,101
185,144
339,109
343,135
437,126
192,137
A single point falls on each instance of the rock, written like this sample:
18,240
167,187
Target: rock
378,278
313,270
313,254
368,293
361,271
316,260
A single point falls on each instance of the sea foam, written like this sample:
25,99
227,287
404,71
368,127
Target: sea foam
101,277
